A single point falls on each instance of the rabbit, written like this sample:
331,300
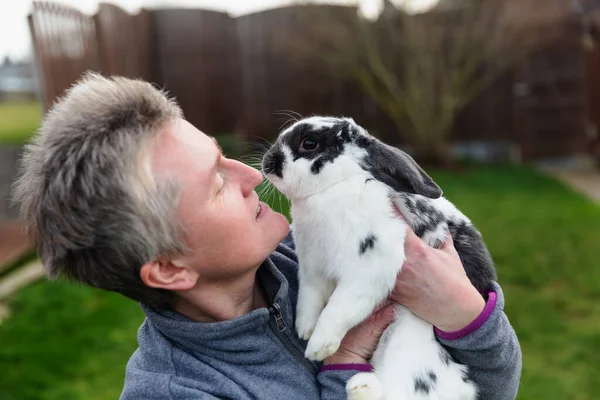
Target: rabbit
343,185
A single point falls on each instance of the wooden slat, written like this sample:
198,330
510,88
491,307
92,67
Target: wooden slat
65,44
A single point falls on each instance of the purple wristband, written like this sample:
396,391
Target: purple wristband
347,367
476,324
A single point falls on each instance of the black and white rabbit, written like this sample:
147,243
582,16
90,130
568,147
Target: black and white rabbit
341,183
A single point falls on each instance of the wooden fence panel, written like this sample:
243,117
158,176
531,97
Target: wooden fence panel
552,108
197,62
65,46
275,78
123,42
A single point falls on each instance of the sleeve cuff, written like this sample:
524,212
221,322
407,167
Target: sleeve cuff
476,324
347,367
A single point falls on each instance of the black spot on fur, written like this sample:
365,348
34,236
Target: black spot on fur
425,382
422,207
273,163
425,216
367,243
369,179
473,253
421,385
432,376
317,166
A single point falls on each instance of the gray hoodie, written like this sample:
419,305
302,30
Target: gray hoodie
259,356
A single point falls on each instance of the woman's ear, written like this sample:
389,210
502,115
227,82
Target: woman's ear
168,274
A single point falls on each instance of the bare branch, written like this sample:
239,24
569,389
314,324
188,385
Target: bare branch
422,70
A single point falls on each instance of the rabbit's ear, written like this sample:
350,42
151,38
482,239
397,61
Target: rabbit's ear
398,170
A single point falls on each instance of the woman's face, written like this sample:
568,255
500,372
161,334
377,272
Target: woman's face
227,230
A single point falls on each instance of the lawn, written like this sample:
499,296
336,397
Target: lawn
18,121
68,342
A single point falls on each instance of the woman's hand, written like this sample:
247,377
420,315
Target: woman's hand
433,285
360,342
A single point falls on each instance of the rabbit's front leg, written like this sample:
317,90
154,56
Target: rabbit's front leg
313,293
352,301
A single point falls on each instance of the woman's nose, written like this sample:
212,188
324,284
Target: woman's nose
250,177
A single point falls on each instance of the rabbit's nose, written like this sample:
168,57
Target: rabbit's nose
273,163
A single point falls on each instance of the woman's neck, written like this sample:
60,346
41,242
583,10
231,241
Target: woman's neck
222,301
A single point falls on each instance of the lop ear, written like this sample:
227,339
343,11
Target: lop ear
398,170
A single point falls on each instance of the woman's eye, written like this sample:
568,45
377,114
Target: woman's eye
222,183
309,144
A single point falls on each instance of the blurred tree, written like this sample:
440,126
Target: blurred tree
423,69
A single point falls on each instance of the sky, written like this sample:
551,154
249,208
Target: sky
15,40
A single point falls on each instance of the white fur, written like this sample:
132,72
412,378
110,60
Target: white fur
353,286
332,212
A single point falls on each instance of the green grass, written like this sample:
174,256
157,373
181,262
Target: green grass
67,342
18,121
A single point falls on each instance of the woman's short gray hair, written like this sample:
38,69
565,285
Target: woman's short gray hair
86,192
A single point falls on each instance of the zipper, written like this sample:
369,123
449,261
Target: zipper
275,311
279,327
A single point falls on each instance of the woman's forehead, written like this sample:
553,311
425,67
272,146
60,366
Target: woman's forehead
183,147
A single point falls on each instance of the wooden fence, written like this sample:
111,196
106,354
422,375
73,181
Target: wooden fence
276,78
196,59
65,46
123,42
234,75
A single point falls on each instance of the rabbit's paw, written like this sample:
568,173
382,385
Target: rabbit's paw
322,345
364,386
305,325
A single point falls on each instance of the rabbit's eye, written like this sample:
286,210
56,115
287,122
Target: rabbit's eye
309,144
